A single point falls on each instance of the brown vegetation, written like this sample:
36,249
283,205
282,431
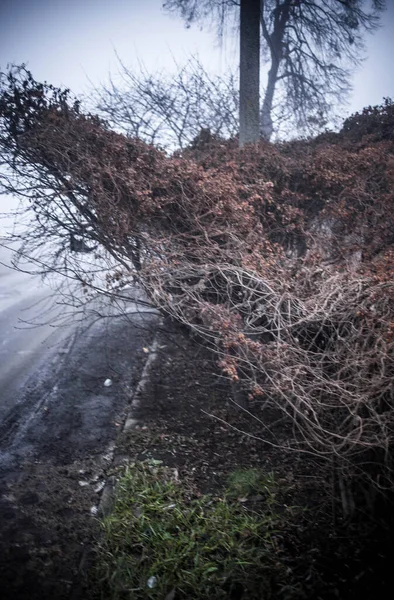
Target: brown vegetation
279,256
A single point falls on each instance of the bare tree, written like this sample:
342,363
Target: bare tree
57,233
310,47
169,110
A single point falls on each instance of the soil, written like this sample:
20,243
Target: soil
186,418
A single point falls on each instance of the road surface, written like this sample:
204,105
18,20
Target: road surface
58,425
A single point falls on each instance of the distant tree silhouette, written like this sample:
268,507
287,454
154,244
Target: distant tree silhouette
310,47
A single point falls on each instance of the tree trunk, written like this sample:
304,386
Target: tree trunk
266,110
274,42
249,126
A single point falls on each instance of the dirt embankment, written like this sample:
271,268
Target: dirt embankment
188,420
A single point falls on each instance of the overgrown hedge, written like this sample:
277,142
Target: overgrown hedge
279,255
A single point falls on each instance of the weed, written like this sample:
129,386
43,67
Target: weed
243,482
165,540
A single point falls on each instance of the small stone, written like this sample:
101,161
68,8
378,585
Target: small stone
99,487
152,581
108,382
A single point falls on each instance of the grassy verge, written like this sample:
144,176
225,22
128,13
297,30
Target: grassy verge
165,540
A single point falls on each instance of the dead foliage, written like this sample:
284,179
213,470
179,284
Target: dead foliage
279,256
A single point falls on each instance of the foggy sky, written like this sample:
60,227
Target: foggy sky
68,41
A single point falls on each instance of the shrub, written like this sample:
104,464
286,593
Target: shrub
279,256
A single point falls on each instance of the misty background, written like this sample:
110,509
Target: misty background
78,44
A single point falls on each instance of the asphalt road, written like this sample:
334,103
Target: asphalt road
58,424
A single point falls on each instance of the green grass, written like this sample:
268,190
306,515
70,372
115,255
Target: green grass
193,546
244,482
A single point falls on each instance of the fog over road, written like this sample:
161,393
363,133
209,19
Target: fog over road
26,334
